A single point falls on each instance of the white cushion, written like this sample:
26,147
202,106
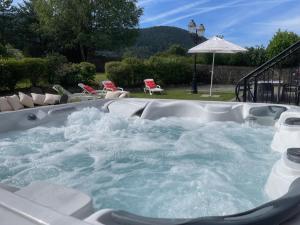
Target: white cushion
4,105
157,90
51,99
38,99
125,94
26,100
113,94
14,101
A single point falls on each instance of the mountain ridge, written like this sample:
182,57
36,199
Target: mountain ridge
156,39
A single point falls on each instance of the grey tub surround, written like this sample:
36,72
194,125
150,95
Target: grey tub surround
42,203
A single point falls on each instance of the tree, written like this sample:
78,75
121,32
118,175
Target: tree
176,50
256,56
5,13
3,51
280,41
83,26
5,4
26,30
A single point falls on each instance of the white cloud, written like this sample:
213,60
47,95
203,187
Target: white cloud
289,20
173,11
245,13
202,10
251,22
291,24
145,2
242,20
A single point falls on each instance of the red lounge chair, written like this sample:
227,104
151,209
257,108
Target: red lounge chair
152,87
110,86
90,91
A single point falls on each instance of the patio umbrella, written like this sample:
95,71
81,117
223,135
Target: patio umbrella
216,45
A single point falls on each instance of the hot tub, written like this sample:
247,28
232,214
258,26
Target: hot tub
156,158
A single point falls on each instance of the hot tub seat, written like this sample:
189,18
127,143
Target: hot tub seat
61,199
8,187
16,210
281,211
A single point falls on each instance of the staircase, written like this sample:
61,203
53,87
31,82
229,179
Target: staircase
275,81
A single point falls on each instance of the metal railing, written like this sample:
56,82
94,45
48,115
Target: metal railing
276,81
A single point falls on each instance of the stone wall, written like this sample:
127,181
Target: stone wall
232,74
222,74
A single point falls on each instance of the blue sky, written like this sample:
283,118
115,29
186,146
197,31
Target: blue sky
245,22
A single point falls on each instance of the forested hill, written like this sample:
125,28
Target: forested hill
156,39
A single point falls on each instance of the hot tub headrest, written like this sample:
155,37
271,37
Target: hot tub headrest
203,111
271,110
272,213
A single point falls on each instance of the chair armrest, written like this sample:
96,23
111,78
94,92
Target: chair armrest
158,86
120,89
101,92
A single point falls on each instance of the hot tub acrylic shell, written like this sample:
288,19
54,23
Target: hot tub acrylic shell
286,135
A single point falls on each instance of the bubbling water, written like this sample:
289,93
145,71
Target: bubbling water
171,167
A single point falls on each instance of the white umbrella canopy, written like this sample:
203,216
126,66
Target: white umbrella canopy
216,45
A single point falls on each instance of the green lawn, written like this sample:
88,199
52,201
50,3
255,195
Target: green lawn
25,83
175,93
183,93
100,77
169,93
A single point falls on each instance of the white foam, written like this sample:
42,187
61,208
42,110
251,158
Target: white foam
170,167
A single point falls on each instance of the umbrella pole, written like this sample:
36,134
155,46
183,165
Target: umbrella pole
212,74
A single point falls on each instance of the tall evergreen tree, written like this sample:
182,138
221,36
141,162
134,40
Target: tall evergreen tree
26,30
5,17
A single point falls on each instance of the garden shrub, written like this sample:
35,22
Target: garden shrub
138,71
52,69
55,64
118,72
173,50
70,74
11,72
170,70
35,69
8,51
13,52
165,70
3,51
87,72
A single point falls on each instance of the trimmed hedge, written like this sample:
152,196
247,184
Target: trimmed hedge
131,72
70,74
11,71
55,64
35,69
119,73
48,70
87,72
170,70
